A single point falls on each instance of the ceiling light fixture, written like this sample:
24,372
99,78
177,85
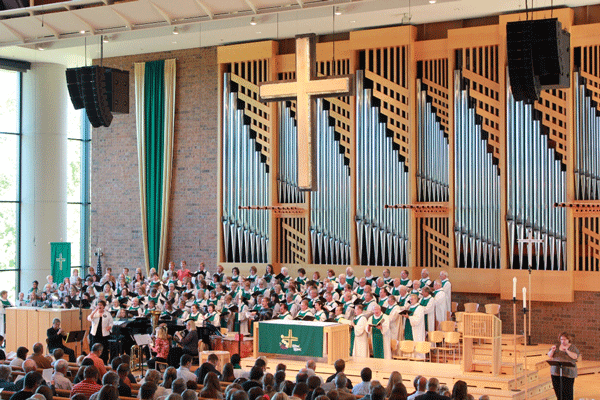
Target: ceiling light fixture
82,31
432,1
253,22
42,46
338,11
105,39
175,31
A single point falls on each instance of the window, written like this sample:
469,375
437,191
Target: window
10,193
78,187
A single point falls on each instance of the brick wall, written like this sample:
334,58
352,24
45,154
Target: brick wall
581,318
115,220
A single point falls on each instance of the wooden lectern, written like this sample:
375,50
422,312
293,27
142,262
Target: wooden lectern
482,326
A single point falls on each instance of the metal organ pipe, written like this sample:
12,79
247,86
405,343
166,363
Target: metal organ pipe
477,189
381,179
536,181
330,210
245,183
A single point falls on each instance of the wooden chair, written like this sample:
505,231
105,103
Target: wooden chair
471,307
493,309
448,326
437,339
454,309
407,347
451,344
394,345
423,348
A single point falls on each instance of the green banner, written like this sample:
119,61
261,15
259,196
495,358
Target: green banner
291,339
60,259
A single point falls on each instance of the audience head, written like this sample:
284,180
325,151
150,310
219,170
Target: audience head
236,359
366,374
313,382
211,381
421,383
311,364
29,365
300,390
147,390
58,353
32,380
279,378
433,384
45,391
231,388
459,391
339,365
174,396
152,375
189,394
261,362
255,393
227,374
97,348
108,392
191,385
212,358
287,387
61,366
38,348
333,394
256,373
377,392
169,376
239,395
178,386
340,380
399,392
123,370
186,360
302,376
90,372
5,372
280,396
280,367
115,362
111,378
268,382
22,352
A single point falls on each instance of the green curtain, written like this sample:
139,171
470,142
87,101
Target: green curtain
154,109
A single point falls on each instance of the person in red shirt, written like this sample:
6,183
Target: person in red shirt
95,357
183,272
88,386
161,346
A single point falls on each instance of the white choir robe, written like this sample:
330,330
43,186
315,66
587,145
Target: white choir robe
387,336
361,338
429,309
394,321
441,307
447,288
417,323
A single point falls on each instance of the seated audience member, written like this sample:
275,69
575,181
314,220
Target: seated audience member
45,391
255,393
59,377
300,391
209,366
32,380
228,375
340,366
124,387
420,387
108,392
5,382
86,362
256,374
212,387
89,385
432,391
28,366
341,389
189,394
179,386
395,377
147,391
398,392
153,376
38,356
183,371
362,389
95,354
20,357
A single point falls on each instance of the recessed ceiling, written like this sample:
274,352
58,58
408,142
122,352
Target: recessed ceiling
70,31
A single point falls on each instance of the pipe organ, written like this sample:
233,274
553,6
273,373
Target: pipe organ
477,188
432,130
245,183
382,179
536,181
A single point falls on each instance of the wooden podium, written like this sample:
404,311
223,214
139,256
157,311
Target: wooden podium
26,326
482,326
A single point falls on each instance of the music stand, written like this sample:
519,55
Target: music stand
76,336
142,339
560,363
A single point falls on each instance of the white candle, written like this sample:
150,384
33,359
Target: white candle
515,287
524,297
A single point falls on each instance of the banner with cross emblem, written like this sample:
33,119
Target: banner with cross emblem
60,259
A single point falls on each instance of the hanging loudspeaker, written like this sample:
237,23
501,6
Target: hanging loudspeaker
74,87
94,96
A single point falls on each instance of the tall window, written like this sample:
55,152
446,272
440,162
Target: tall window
10,193
78,187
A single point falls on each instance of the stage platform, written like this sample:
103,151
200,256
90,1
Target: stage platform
520,386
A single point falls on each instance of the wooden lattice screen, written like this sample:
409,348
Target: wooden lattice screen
433,242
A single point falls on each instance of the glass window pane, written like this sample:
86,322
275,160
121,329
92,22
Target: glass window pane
9,167
9,283
74,232
74,118
8,236
10,101
74,171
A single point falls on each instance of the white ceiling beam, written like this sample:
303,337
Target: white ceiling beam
204,7
13,32
300,3
52,29
252,6
86,23
123,18
162,12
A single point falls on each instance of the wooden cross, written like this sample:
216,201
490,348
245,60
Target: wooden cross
530,241
305,89
60,260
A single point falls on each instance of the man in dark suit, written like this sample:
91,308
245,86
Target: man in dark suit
208,366
432,391
55,339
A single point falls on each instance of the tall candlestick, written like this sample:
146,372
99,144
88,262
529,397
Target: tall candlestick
515,287
524,297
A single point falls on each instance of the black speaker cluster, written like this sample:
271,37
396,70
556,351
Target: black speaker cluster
101,91
538,57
